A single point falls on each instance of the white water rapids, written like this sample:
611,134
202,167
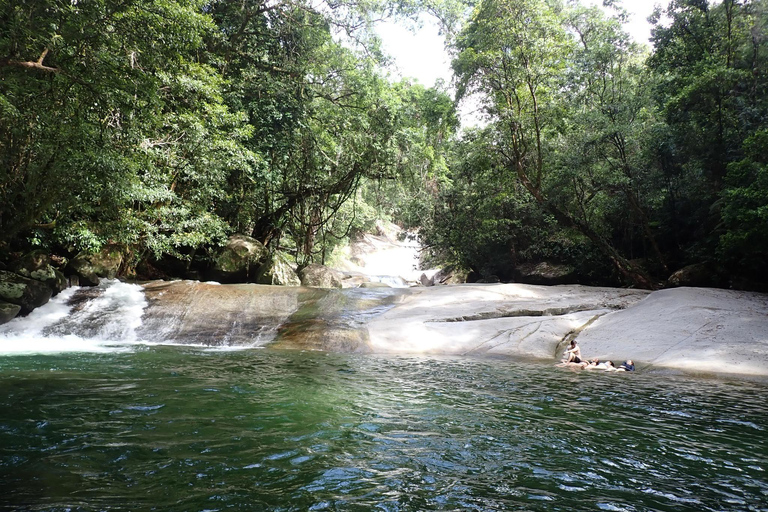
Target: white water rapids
115,316
105,323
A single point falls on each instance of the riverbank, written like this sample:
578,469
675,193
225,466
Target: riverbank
696,330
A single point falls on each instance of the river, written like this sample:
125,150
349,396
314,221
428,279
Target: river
95,414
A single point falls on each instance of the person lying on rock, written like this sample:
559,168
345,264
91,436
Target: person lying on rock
572,353
583,365
626,366
565,364
595,364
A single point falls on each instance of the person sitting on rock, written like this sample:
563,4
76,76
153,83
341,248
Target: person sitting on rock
573,353
626,366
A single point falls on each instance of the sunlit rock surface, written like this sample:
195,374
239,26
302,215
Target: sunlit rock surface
697,329
503,319
212,314
252,315
692,329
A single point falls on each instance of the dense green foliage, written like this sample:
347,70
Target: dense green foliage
622,164
166,125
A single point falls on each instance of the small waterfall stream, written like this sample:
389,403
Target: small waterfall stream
99,319
116,315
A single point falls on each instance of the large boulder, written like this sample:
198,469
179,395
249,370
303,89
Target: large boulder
450,275
374,284
320,276
545,273
698,275
8,311
38,265
22,291
89,268
239,260
277,270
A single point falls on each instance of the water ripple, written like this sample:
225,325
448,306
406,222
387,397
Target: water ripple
183,429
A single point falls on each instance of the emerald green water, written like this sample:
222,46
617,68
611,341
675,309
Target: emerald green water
179,428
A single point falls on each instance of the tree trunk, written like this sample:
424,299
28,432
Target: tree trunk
625,268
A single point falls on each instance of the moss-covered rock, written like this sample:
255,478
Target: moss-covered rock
91,267
106,263
8,311
23,291
320,276
81,267
239,260
545,273
277,270
37,265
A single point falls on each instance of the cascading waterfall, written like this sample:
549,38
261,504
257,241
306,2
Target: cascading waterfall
389,258
99,319
115,316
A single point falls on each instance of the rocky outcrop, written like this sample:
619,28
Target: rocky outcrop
277,270
206,313
545,273
90,268
697,275
23,291
38,265
239,260
449,275
8,311
695,329
500,319
320,276
692,329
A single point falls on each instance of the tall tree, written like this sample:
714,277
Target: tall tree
519,54
604,159
110,127
709,62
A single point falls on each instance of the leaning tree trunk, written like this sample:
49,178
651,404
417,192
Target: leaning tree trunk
625,268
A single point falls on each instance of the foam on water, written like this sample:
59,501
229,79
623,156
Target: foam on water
106,323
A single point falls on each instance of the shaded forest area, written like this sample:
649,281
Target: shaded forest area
162,127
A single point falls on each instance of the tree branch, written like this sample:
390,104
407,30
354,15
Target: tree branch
28,64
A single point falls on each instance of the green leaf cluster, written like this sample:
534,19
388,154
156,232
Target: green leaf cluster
166,125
